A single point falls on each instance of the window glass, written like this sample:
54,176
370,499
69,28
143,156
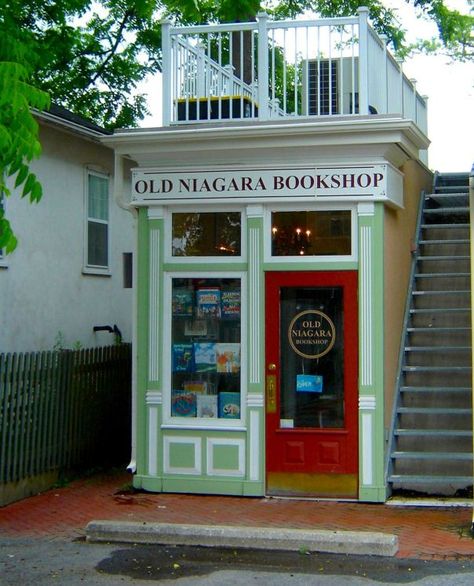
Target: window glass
311,233
97,220
206,348
206,234
97,245
98,197
312,357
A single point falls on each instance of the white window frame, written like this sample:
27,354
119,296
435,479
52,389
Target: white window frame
310,259
170,422
169,258
87,267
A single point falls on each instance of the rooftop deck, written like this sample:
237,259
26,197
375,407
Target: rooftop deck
277,70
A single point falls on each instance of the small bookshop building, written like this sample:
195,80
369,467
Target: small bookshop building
272,267
269,304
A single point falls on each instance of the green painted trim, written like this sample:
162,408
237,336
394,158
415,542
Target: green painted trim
376,388
209,486
185,484
142,337
374,494
316,266
256,343
254,489
379,347
204,267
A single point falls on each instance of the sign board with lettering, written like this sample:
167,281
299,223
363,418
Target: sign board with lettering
363,182
311,334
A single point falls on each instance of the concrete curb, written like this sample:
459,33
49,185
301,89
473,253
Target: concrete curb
344,542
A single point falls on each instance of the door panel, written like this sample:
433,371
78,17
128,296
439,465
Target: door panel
311,379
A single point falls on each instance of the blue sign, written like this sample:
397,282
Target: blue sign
309,383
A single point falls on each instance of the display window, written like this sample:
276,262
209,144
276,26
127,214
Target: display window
311,233
212,234
205,349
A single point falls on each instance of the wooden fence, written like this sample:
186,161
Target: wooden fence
62,411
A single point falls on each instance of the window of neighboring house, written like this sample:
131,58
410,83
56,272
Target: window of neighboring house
97,231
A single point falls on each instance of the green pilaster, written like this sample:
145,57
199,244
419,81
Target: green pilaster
255,416
142,338
371,353
149,311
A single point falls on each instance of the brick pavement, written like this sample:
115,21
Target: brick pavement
63,513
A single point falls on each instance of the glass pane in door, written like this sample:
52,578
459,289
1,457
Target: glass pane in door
311,357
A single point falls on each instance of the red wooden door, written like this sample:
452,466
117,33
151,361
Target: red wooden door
311,383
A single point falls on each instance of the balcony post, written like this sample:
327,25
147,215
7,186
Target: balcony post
262,18
166,71
363,12
402,89
415,105
384,39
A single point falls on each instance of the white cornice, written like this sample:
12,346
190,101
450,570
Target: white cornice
393,138
341,126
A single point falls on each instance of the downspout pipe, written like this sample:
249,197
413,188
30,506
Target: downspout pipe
123,202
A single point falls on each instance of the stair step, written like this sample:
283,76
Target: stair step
437,369
432,455
447,241
444,226
449,190
434,411
425,310
419,479
433,432
438,349
447,210
438,329
442,275
444,257
425,389
447,292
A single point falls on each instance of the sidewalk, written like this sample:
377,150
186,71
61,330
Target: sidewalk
63,513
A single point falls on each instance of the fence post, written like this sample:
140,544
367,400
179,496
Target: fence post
363,12
262,18
166,72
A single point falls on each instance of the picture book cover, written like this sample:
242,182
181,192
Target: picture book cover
229,405
183,404
207,405
182,301
228,357
230,304
205,356
208,302
183,358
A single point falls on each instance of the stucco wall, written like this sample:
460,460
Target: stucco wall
42,289
399,234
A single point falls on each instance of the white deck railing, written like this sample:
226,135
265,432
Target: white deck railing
277,69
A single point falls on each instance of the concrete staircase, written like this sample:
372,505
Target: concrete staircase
431,449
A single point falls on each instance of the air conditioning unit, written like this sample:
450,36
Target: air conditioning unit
330,86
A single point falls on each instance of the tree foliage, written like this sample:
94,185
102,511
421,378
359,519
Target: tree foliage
19,142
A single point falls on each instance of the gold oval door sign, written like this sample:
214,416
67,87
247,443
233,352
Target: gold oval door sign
311,333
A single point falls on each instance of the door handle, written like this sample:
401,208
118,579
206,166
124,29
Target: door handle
272,366
271,393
